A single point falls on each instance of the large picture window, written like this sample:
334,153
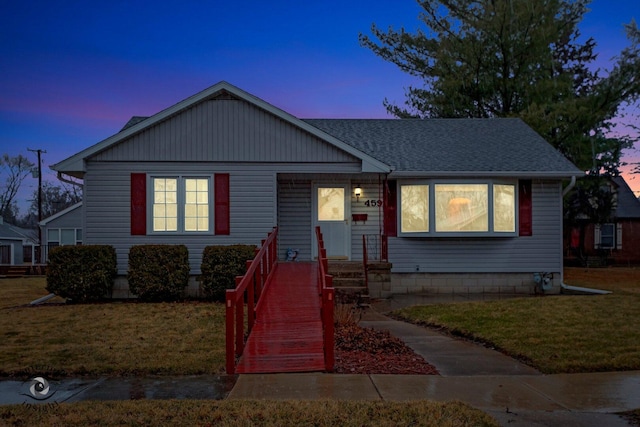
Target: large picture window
462,207
433,208
181,204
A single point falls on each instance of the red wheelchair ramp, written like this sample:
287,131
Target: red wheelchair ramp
287,335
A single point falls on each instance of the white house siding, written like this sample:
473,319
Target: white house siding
541,252
225,130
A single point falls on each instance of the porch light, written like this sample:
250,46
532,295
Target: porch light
357,192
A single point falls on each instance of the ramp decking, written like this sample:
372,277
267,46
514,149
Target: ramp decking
287,336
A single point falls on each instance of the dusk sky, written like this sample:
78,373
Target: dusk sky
72,73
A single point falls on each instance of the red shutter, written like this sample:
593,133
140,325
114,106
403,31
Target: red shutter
525,208
138,204
221,213
391,209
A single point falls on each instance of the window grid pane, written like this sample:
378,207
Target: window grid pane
414,209
607,236
331,204
504,208
196,209
165,196
462,207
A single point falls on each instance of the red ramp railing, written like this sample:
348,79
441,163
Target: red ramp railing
326,290
248,292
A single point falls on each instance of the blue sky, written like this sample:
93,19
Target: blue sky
72,73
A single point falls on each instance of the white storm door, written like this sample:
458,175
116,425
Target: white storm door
331,213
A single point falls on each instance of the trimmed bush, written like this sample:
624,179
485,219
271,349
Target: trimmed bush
81,273
221,265
158,272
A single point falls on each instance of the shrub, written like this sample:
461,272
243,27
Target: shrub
158,272
81,273
221,265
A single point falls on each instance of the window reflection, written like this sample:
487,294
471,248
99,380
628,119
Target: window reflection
414,208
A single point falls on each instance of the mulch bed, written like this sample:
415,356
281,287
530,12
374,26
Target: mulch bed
369,351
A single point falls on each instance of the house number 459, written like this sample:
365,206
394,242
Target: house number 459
373,203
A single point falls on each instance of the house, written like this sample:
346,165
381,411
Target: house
16,245
613,242
464,205
62,228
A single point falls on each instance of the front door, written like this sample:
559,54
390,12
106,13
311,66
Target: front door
331,212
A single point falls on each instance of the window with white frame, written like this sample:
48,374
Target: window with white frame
605,236
437,208
181,204
64,236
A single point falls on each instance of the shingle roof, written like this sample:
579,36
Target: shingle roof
441,146
9,232
627,205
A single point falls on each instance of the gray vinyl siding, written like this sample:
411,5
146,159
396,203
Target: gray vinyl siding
72,219
228,131
108,206
540,252
295,217
370,192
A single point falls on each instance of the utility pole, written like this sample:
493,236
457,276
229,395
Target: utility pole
39,152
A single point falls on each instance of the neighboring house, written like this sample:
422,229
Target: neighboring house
63,228
16,244
616,241
11,245
467,205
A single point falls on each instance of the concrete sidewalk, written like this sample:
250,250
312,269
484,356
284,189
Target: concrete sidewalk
523,400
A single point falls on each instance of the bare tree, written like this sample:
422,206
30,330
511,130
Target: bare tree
16,169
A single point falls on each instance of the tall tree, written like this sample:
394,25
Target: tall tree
516,58
15,170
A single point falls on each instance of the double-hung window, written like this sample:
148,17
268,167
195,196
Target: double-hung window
439,208
181,204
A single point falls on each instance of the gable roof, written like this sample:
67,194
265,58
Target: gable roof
453,147
12,232
627,204
8,233
59,214
75,165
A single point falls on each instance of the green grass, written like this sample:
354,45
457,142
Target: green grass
247,413
106,339
555,333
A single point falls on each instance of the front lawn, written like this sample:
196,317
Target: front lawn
554,333
106,339
248,413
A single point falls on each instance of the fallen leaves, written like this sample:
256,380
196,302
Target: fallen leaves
369,351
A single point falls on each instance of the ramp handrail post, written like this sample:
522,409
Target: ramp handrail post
327,293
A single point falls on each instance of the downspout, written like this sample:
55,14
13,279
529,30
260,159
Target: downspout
567,188
577,289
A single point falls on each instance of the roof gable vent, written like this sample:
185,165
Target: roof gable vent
224,96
